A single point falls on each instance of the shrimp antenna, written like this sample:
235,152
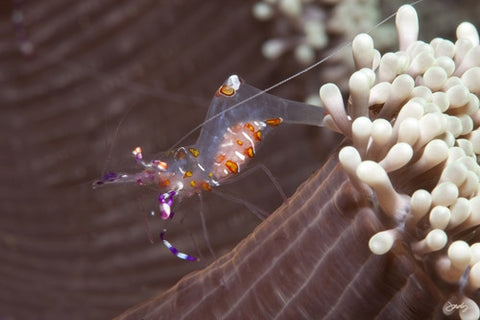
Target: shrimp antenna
113,139
282,82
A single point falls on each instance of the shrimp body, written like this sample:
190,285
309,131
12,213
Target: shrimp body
238,119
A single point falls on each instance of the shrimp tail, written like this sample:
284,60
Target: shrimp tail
289,111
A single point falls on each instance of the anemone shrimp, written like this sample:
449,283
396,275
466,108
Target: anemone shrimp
238,119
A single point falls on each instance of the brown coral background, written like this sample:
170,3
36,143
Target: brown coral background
104,77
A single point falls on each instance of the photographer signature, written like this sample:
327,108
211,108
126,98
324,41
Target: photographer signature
449,307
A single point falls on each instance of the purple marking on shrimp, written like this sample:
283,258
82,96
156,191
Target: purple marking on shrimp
166,201
174,250
111,176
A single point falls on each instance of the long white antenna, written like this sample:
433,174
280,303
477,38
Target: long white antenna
278,84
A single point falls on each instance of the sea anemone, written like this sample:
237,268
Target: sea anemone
386,228
308,27
413,119
314,29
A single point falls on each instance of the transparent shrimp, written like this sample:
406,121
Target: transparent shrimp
238,119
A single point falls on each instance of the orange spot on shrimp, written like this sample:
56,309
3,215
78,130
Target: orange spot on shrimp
231,166
187,174
164,183
249,127
258,135
249,152
210,174
274,122
236,128
161,165
226,91
219,158
206,186
194,152
192,183
180,154
240,142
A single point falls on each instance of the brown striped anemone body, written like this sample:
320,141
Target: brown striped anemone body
384,230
